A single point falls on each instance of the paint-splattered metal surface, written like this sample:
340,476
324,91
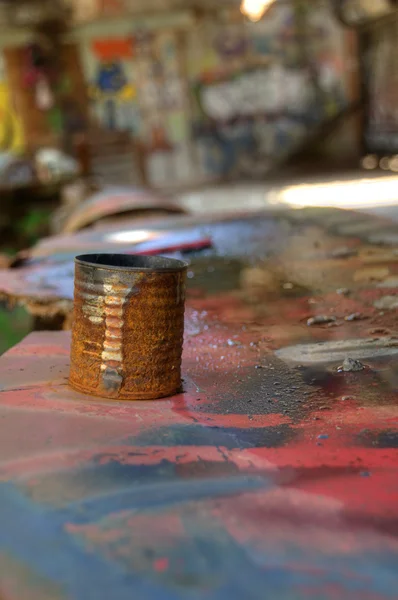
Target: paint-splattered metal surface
273,475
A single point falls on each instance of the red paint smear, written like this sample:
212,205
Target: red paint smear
161,565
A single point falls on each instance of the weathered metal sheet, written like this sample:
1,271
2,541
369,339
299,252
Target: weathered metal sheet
44,284
117,201
267,477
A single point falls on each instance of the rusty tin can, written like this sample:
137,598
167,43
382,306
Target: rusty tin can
128,326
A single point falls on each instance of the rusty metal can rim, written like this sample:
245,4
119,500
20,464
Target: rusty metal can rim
139,263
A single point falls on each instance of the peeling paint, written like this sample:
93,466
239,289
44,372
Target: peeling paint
93,307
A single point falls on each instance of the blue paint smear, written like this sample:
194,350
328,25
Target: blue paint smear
216,567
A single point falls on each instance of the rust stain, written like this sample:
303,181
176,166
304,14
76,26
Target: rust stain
128,326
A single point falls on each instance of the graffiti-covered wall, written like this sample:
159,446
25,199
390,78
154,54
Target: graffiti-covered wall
218,97
262,87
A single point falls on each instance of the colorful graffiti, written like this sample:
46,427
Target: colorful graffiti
111,90
256,92
225,96
258,100
137,87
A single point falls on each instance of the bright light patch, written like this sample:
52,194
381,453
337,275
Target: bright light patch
370,162
131,237
363,193
255,9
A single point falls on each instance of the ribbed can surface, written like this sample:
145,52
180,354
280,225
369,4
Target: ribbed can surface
128,326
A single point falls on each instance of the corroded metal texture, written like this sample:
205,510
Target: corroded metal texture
128,326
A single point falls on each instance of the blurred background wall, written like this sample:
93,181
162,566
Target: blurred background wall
201,92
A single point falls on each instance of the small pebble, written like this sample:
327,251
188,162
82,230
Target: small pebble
343,292
354,317
320,320
351,365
